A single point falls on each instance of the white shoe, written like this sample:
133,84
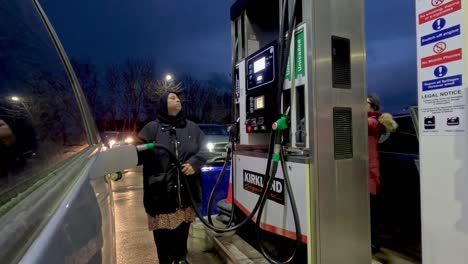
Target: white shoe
375,262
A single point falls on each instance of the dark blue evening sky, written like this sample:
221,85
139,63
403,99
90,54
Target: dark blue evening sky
193,36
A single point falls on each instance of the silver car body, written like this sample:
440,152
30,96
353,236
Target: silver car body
55,212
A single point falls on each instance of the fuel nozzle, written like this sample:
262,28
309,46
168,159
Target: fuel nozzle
144,147
232,130
282,123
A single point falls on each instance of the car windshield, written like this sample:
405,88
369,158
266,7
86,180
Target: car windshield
213,130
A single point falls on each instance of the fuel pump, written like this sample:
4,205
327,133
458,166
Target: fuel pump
263,101
325,148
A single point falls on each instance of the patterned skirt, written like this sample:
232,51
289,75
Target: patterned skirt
172,220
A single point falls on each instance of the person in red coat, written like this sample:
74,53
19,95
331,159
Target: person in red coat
378,125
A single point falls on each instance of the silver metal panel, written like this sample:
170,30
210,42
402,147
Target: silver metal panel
234,24
252,43
242,107
240,38
256,36
342,200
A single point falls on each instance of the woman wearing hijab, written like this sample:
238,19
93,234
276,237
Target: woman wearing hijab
165,198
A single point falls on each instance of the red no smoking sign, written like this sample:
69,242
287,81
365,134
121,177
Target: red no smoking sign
441,8
439,47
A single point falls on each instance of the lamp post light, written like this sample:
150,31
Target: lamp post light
168,78
19,100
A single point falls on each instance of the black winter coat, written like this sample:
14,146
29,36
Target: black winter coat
163,185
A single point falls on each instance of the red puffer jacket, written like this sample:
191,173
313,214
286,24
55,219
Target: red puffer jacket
375,131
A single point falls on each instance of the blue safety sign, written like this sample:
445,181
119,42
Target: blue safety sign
440,71
442,83
439,24
440,35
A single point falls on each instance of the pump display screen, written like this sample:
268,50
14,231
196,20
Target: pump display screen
259,65
260,68
259,102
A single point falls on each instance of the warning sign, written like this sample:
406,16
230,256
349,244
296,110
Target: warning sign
443,112
442,83
445,57
439,11
440,35
439,24
440,71
441,67
439,47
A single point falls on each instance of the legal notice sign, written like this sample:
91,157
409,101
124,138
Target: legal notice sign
441,67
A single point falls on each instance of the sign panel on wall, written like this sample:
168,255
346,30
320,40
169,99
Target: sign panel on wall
441,67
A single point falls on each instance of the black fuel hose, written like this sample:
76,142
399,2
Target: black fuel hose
199,215
232,137
215,188
294,210
283,62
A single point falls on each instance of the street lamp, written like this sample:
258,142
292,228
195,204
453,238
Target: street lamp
167,80
22,103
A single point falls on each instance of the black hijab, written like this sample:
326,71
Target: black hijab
175,121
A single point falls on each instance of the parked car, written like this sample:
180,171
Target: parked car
109,138
216,140
127,137
116,138
400,192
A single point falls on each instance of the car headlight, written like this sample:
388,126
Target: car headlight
128,140
111,143
210,146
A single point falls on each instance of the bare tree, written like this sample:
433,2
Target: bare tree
220,108
132,91
219,86
88,76
208,100
137,78
113,86
155,88
196,98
